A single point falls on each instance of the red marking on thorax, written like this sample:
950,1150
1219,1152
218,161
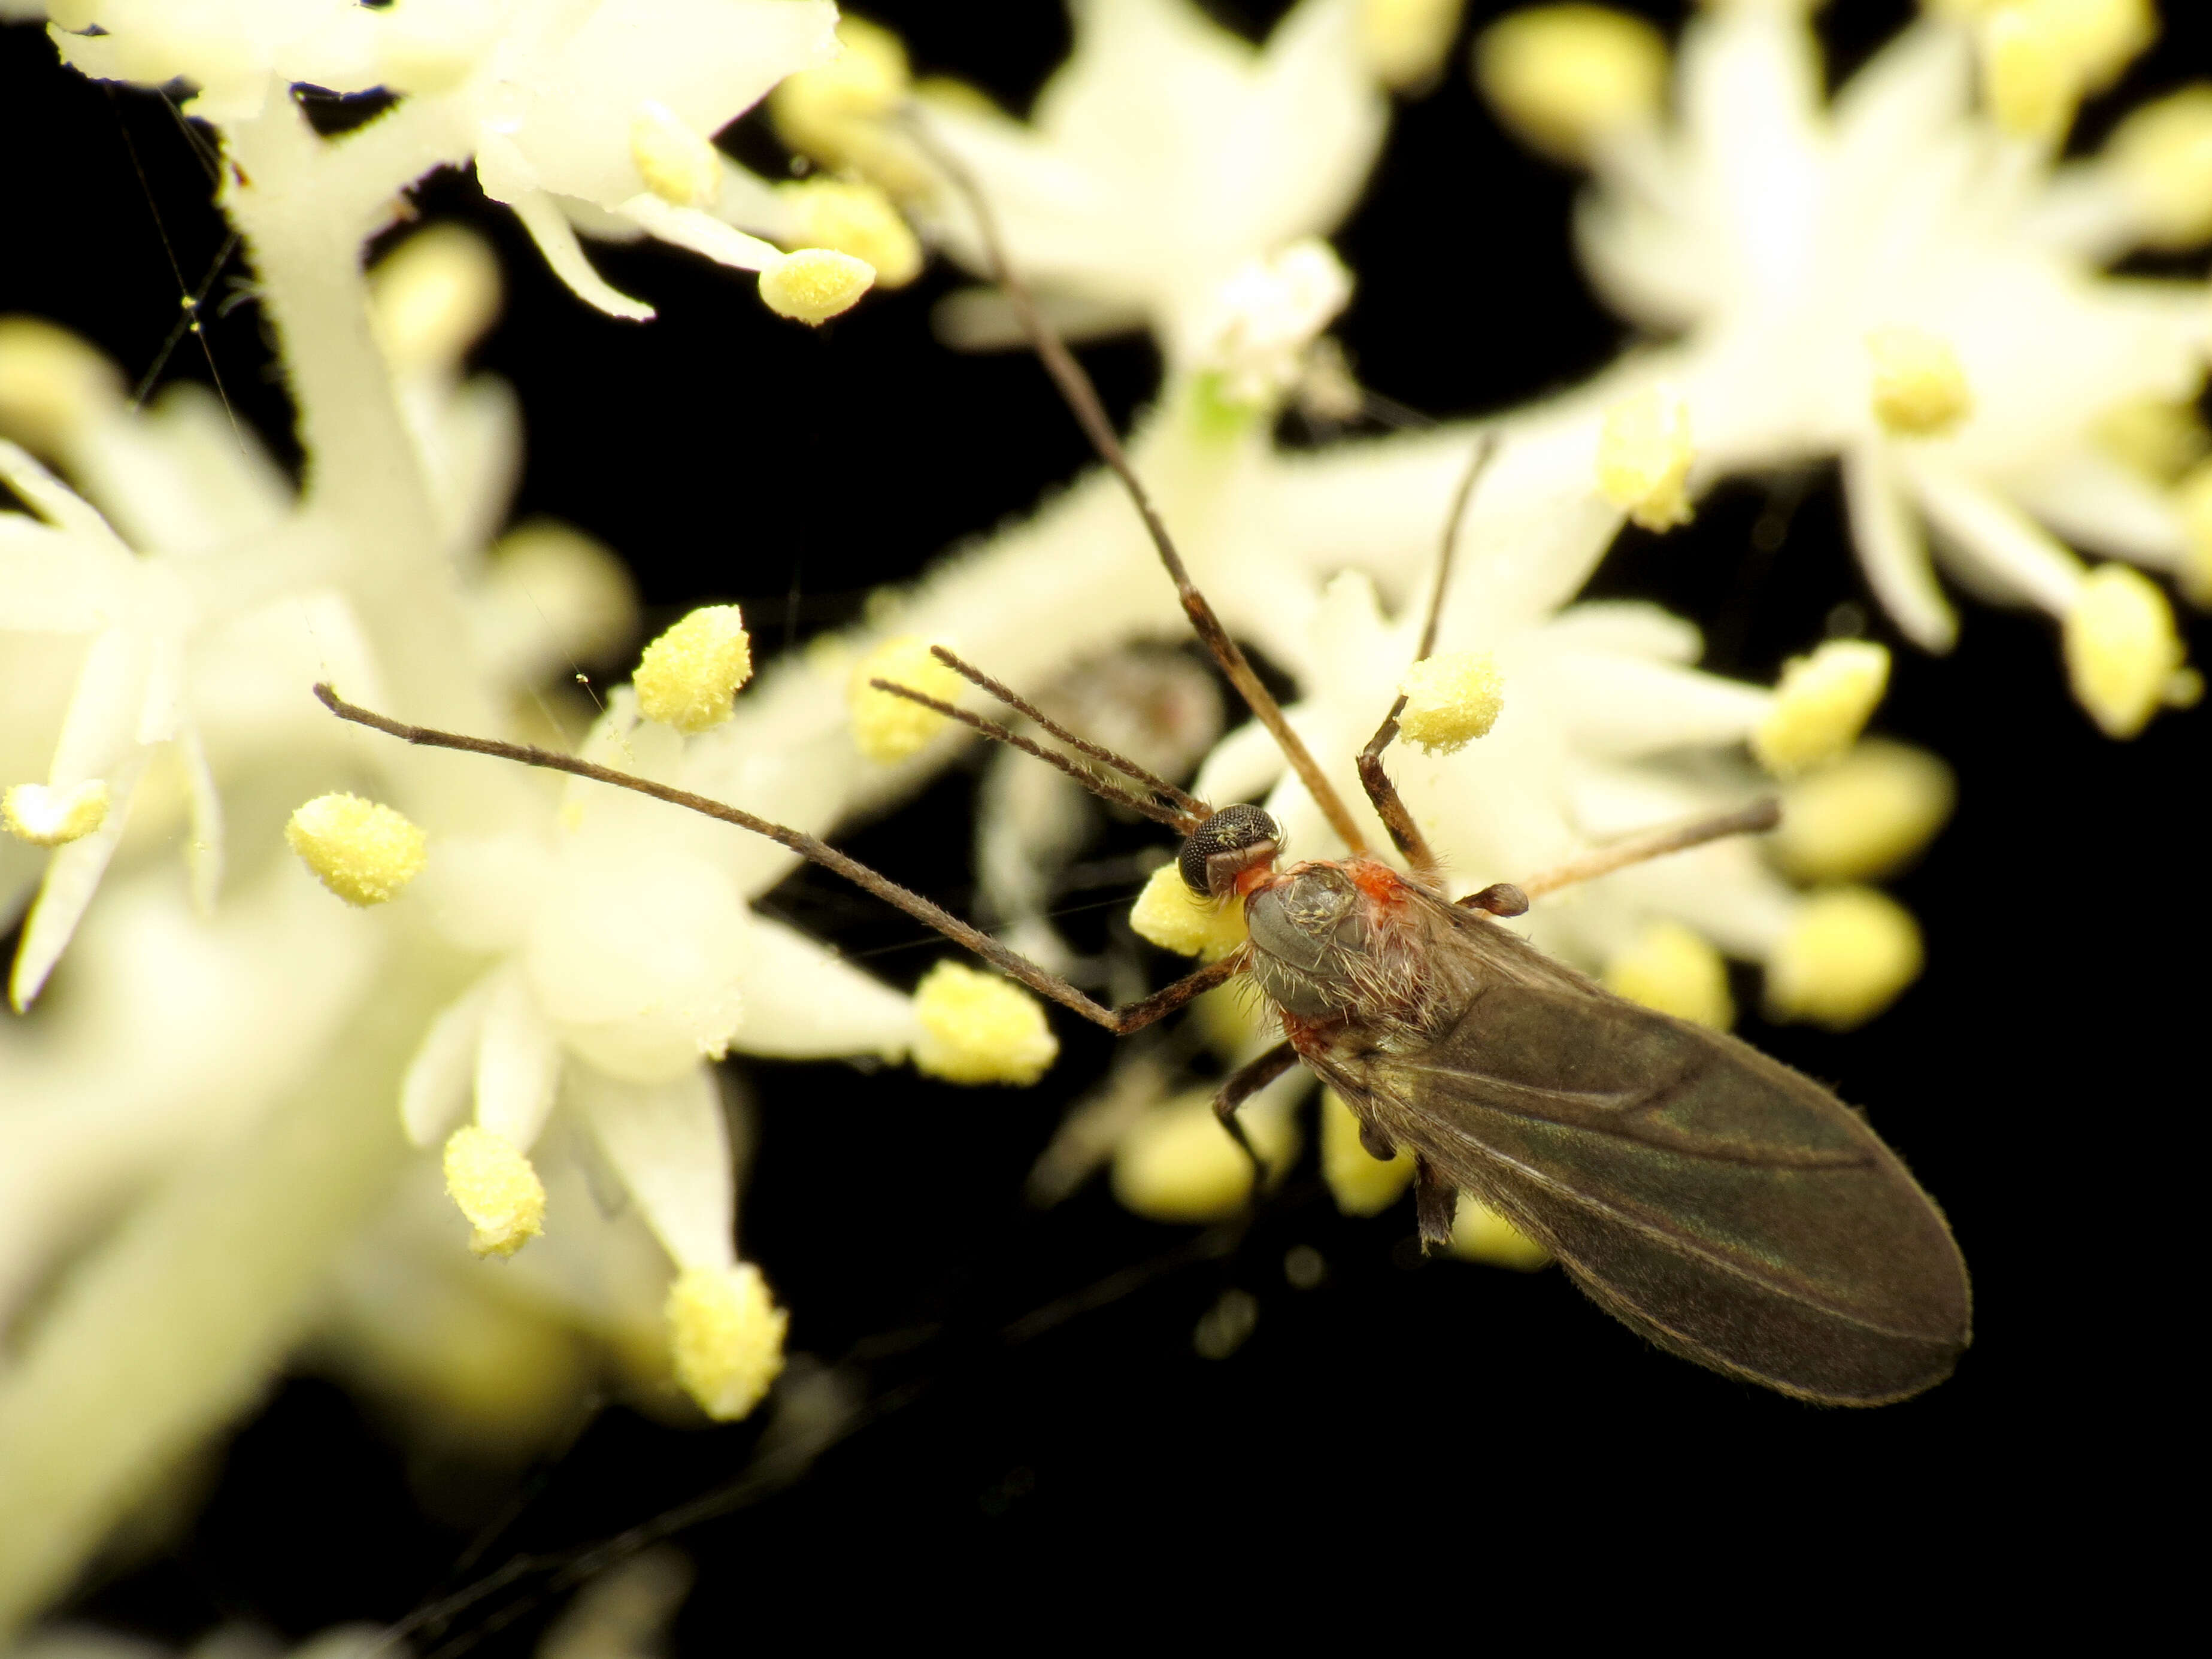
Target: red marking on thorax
1379,882
1308,1036
1253,877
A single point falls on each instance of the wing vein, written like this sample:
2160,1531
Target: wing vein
1667,1238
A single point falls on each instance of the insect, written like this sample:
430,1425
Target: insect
1728,1209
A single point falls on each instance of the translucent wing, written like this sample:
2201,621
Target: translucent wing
1729,1209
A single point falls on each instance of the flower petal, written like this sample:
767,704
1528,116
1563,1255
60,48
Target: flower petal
518,1064
435,1089
1893,552
73,876
671,1145
203,808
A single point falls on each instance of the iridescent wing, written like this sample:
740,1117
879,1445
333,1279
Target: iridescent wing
1731,1210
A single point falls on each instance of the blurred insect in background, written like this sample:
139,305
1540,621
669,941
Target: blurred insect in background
1731,1211
1152,705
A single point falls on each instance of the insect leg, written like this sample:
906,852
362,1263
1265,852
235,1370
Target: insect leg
1247,1081
1434,1202
1120,1021
1082,400
1405,834
1761,815
1135,1016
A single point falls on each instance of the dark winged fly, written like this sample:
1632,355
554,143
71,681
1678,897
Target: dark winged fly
1723,1205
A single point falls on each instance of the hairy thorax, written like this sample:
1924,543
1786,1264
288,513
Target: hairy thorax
1354,957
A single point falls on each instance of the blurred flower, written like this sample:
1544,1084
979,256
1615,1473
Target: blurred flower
1162,159
234,52
1899,280
1604,726
598,117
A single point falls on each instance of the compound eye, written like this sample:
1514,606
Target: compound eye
1231,842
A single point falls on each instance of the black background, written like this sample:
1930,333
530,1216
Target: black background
1388,1442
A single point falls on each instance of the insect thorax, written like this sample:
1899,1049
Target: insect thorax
1345,943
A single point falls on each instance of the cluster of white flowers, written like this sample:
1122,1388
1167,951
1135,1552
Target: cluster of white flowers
254,1093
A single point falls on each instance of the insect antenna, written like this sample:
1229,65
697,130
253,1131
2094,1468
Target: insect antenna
1182,822
1082,399
1130,1016
1197,810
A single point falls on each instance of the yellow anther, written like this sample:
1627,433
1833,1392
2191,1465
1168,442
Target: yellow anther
725,1338
2120,648
1404,42
493,1186
1171,916
1821,705
1849,953
837,113
54,817
680,166
50,383
362,852
955,97
688,675
1481,1234
856,217
1566,78
1176,1164
1918,387
889,728
2162,438
1361,1183
1452,699
432,297
979,1028
2099,38
2193,499
1676,971
2162,155
2030,84
1865,816
1643,457
815,284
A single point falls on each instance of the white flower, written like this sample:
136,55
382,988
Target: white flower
1163,157
179,1030
603,116
626,960
235,52
1607,729
1895,280
1258,323
597,115
206,597
68,572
